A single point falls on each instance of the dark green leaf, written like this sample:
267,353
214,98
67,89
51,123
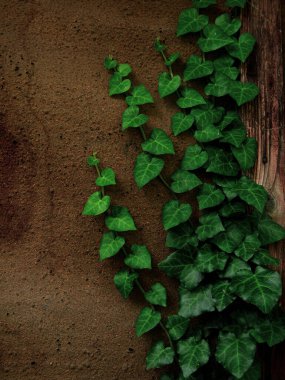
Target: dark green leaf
181,123
190,21
167,85
243,92
193,353
158,143
235,136
110,245
236,3
175,263
220,85
177,326
140,257
175,213
118,85
181,236
190,277
252,193
106,178
223,163
269,231
246,153
159,355
215,38
124,282
195,302
232,208
207,134
140,95
207,114
229,240
132,118
197,68
171,59
208,261
147,320
194,157
254,372
96,204
262,257
242,47
249,247
222,295
147,168
236,268
120,220
190,98
203,3
230,26
224,65
184,181
270,331
230,118
209,196
210,225
157,295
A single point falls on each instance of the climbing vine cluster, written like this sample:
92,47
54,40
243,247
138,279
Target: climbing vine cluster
221,260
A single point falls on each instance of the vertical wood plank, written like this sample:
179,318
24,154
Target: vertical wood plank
264,119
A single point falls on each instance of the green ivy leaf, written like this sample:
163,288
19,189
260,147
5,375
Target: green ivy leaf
234,136
167,85
203,3
222,295
110,245
181,123
147,168
269,231
235,3
190,21
93,161
270,331
118,85
193,353
190,98
210,225
124,69
229,240
194,157
159,46
224,65
253,194
232,208
236,268
171,59
147,320
254,372
220,86
246,153
157,295
120,220
177,326
208,261
132,118
140,95
159,356
209,196
158,143
243,92
106,178
263,288
195,302
236,354
249,247
140,258
207,134
207,114
223,163
181,236
96,204
230,26
197,68
215,38
175,213
124,282
184,181
230,118
175,263
263,257
190,277
242,47
110,63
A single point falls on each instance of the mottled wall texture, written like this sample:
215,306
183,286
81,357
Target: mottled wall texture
61,317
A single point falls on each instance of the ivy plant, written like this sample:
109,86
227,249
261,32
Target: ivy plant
228,283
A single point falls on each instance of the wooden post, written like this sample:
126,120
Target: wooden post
264,119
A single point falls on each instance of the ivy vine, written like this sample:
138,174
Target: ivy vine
221,260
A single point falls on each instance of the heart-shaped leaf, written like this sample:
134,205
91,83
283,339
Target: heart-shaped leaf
140,258
223,163
231,118
246,153
175,213
106,178
140,95
224,65
175,263
222,295
157,295
147,320
190,98
93,161
263,257
269,231
194,157
110,245
124,282
177,326
120,220
158,143
243,92
181,123
268,331
193,353
118,85
168,85
197,68
190,21
242,47
147,168
124,69
235,3
253,194
215,38
184,181
110,63
207,134
248,247
159,356
234,136
190,277
220,85
96,204
132,118
195,302
210,225
230,26
229,240
232,208
209,196
208,261
181,237
236,268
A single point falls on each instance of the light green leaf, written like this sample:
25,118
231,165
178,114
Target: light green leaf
215,38
224,65
208,261
209,196
147,168
132,118
236,3
203,3
269,231
184,181
195,302
207,134
197,68
232,208
230,26
110,63
96,204
175,213
147,320
222,295
140,95
118,85
220,85
263,288
243,92
181,237
242,47
253,194
175,263
210,225
93,160
249,247
194,157
158,143
181,123
246,153
193,353
262,257
157,295
236,354
159,355
229,240
124,282
110,245
171,59
106,178
234,136
207,114
190,277
270,331
120,220
140,257
167,85
124,69
190,98
190,21
177,326
223,163
236,268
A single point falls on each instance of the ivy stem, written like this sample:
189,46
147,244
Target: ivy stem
99,174
169,66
